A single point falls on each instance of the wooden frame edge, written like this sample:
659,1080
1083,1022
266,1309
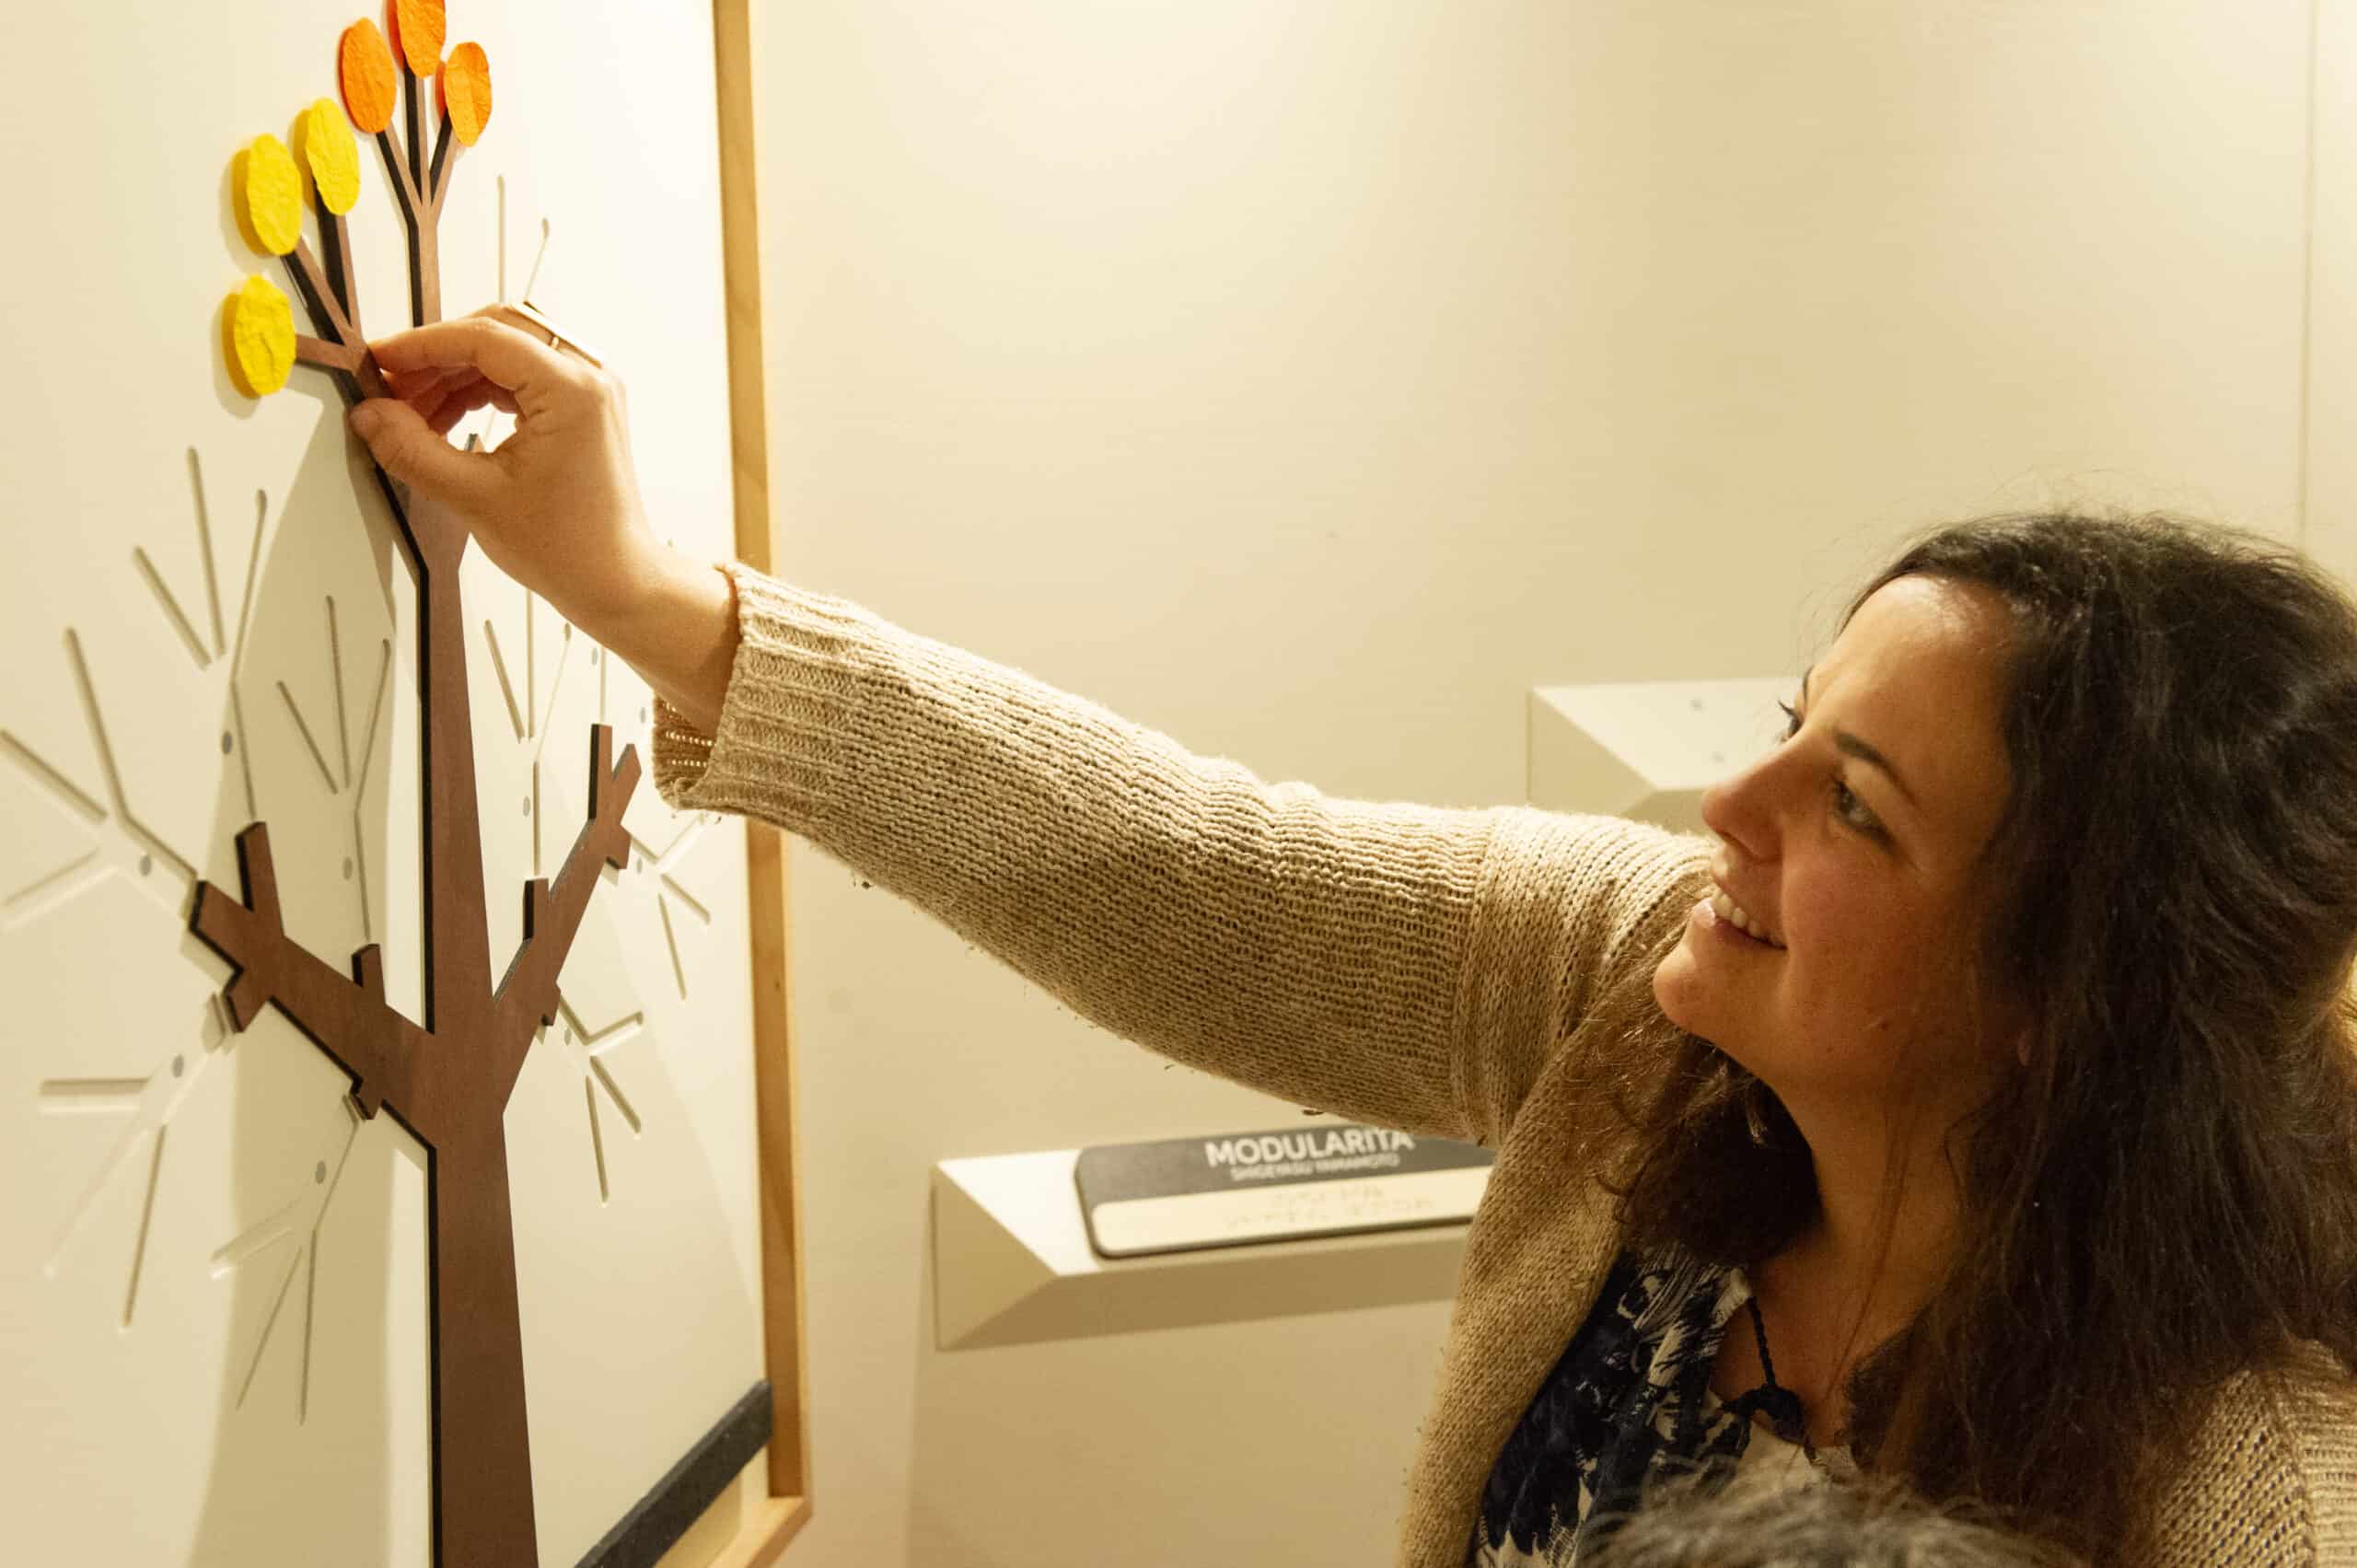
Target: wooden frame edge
776,1520
761,1540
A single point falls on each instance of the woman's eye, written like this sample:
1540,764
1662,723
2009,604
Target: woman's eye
1846,804
1851,810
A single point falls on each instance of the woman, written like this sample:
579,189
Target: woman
1975,1107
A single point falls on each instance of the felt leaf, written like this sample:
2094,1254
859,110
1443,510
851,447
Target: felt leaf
270,191
363,67
466,91
262,338
418,30
333,156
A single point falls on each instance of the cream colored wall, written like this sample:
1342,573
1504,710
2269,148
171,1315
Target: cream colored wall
1308,381
2332,399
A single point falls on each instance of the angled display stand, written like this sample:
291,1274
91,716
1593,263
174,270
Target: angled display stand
1647,748
1012,1265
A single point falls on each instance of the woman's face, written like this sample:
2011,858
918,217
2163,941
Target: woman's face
1853,846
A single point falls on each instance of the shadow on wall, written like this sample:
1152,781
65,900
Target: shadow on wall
328,1276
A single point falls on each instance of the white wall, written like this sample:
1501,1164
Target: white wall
1308,381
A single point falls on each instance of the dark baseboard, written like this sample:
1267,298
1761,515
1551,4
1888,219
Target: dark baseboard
678,1500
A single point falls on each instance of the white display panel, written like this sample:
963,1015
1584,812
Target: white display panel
213,1326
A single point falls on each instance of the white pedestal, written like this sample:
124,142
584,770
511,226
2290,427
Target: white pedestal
1647,749
1012,1265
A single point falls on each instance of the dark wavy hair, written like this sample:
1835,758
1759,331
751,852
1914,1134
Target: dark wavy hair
2164,1196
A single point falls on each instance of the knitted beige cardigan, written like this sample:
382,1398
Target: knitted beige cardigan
1403,965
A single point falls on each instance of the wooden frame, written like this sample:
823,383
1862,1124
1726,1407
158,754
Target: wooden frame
765,1527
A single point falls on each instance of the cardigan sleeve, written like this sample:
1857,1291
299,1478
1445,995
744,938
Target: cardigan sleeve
1393,963
2271,1478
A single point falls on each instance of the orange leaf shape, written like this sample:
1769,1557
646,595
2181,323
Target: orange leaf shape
418,28
364,66
466,91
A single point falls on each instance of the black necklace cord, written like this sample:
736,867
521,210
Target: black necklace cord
1783,1407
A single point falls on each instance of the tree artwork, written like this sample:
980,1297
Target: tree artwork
448,1079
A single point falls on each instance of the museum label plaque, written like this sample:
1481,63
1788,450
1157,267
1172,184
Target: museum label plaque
1233,1189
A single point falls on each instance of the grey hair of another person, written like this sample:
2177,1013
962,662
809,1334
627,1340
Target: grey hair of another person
1862,1525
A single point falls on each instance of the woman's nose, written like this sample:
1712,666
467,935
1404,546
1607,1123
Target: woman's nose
1736,809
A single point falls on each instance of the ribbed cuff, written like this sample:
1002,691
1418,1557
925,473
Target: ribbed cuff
791,692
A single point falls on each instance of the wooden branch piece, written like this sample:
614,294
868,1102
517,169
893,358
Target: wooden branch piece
340,347
553,915
413,120
396,169
335,238
332,357
349,1020
446,148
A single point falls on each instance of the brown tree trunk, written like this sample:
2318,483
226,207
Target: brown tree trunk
482,1451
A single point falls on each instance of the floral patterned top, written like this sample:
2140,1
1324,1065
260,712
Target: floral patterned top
1630,1399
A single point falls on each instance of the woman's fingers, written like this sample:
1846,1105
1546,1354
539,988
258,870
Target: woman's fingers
448,401
407,449
481,344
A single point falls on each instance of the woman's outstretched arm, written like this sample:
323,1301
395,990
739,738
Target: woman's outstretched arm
1400,964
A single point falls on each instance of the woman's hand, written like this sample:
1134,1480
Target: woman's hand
556,505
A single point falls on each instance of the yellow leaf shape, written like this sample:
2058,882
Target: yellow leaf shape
466,91
333,156
270,191
262,338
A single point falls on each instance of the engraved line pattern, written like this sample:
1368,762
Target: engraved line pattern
597,1138
263,1342
671,940
88,1097
507,688
294,711
310,1305
180,622
66,883
253,570
592,1045
335,666
531,678
652,869
76,799
540,256
304,1215
360,790
613,1090
173,610
556,684
597,1043
144,1105
257,1238
113,775
205,552
672,890
132,850
678,849
146,1218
